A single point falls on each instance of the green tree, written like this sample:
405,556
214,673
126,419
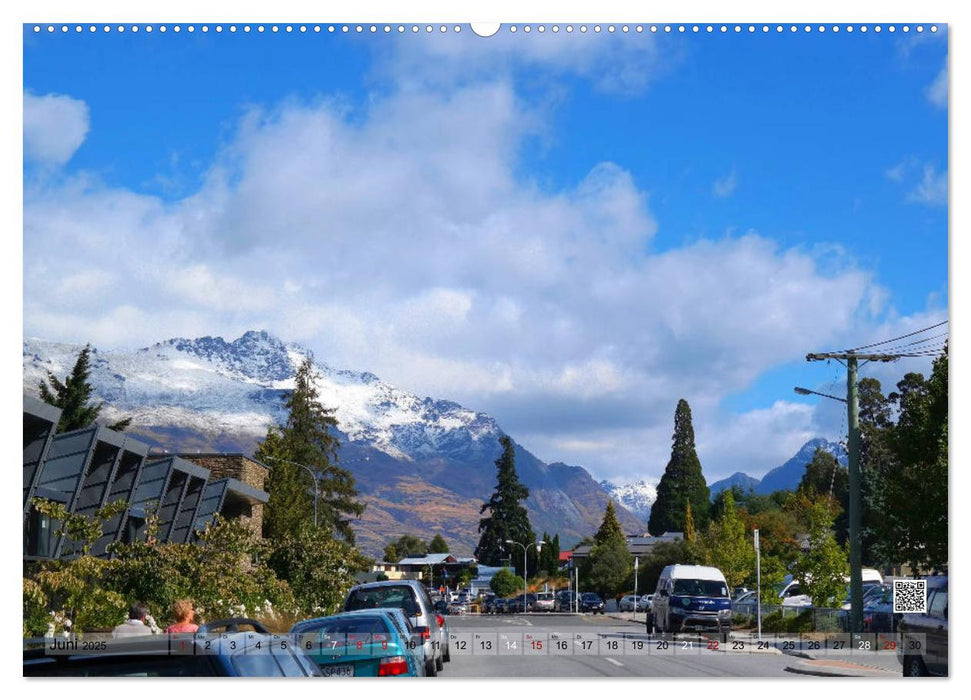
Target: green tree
725,544
319,568
609,527
507,518
438,545
682,481
505,583
73,396
407,545
822,569
914,491
610,562
304,443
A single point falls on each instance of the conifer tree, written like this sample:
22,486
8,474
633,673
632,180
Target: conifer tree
303,444
610,562
609,528
73,396
507,518
682,481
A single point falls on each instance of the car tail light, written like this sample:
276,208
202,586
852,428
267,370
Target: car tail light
424,632
392,666
440,620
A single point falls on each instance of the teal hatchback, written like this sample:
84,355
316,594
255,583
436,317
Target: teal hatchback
370,643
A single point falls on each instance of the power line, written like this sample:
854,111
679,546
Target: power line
893,340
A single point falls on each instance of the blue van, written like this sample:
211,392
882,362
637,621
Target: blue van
691,597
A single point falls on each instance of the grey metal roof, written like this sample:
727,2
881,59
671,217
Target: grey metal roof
428,559
38,408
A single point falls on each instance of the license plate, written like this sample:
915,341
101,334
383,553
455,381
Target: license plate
340,671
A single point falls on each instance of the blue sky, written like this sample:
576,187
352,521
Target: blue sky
568,232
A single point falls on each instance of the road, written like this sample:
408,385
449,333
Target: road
576,646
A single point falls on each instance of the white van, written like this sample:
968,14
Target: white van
689,596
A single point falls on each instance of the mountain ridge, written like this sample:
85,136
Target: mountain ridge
208,394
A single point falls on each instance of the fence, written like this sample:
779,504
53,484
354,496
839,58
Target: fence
787,618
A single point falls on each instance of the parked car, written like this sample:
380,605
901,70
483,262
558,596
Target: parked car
500,606
234,654
487,604
373,642
628,603
926,656
544,602
878,614
458,608
564,601
745,604
521,603
411,597
591,603
689,597
645,603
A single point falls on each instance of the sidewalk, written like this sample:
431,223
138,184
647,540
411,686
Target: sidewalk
836,668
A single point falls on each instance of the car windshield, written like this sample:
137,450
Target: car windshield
383,597
700,587
354,625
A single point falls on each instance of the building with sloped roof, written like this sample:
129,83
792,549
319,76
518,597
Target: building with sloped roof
88,468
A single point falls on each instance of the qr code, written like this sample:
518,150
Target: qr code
910,596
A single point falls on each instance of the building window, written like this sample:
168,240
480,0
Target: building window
38,534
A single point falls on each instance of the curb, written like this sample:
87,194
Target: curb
834,671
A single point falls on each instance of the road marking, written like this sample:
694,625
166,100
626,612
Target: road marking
614,662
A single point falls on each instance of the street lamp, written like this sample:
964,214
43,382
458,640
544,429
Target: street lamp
539,545
807,392
313,475
855,501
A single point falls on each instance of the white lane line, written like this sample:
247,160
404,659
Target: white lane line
614,661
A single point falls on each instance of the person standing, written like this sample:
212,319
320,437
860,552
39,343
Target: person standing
184,612
135,625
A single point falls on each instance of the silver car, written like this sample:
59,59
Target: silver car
412,598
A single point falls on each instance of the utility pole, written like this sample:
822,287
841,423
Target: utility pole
856,506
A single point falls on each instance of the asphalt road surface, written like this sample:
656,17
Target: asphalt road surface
584,646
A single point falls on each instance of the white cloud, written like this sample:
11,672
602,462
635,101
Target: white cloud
55,126
621,63
725,186
932,189
404,240
936,92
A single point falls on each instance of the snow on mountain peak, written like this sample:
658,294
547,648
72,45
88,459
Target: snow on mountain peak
635,496
211,385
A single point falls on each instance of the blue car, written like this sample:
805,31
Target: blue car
371,643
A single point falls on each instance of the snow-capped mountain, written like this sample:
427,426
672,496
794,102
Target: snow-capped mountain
635,496
421,465
214,387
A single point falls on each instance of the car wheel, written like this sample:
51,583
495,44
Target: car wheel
448,653
914,666
431,668
439,663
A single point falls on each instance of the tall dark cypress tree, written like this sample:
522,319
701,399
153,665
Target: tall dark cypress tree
507,518
73,396
305,442
682,481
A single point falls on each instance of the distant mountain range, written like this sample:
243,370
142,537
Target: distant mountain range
786,476
423,466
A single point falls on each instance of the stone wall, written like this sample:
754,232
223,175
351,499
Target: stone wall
242,468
